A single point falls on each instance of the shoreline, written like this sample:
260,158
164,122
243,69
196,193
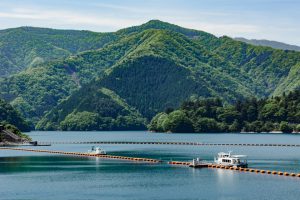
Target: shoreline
248,132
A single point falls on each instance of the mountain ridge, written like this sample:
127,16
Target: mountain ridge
269,43
163,62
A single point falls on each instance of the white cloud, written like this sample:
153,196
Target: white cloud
67,17
124,8
62,17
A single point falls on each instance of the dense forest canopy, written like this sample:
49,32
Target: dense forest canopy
9,115
251,115
84,110
11,120
146,69
28,46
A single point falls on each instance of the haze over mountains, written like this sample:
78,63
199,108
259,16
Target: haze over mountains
269,43
80,80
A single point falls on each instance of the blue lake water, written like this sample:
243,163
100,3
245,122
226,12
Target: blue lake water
29,175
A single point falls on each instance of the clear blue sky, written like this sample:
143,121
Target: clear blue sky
260,19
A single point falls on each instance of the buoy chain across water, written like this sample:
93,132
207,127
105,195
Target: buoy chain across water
85,154
183,163
174,143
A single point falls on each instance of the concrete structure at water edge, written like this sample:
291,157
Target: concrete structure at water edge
8,136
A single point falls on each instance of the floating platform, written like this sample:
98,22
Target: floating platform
36,143
239,169
200,165
148,160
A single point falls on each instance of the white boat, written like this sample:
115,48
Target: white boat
97,151
227,159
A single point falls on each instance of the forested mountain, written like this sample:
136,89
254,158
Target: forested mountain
269,43
93,108
150,68
28,46
251,115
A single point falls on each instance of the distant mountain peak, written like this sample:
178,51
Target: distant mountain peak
161,25
269,43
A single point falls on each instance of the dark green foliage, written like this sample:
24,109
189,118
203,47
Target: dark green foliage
100,109
148,80
204,124
177,122
285,127
298,128
210,115
156,123
8,115
82,121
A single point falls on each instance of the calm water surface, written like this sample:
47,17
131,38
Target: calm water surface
29,175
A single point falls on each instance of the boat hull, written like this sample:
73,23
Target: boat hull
244,165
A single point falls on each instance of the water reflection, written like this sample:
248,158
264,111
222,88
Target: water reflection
30,175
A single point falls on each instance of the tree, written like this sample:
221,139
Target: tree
178,122
298,128
285,127
160,122
228,115
235,126
80,121
268,111
205,125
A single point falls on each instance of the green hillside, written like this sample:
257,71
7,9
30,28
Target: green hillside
269,68
93,108
28,46
251,115
151,67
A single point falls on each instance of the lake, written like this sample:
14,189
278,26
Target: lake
29,175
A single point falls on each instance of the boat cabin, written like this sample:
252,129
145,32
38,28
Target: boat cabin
227,159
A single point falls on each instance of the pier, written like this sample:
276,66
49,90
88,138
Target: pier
239,169
148,160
